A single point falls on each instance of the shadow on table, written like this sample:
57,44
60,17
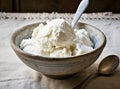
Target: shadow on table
100,82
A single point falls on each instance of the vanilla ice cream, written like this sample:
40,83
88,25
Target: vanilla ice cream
57,39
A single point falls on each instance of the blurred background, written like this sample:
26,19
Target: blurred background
61,6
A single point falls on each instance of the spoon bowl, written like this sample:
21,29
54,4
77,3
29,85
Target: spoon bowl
108,65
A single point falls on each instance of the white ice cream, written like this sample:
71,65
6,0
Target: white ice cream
57,39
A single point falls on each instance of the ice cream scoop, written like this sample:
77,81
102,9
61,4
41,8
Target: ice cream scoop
81,8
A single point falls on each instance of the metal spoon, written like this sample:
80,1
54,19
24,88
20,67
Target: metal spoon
81,8
107,66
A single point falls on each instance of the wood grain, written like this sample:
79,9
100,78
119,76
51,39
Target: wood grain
64,6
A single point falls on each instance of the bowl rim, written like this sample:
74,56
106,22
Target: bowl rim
39,57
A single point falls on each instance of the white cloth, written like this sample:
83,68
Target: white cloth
16,75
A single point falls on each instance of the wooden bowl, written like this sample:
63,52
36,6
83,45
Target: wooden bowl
59,67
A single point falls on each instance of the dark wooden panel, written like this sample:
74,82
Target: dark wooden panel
115,6
65,6
98,5
104,6
68,5
37,5
6,5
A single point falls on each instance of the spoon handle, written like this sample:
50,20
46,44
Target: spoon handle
85,82
82,6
